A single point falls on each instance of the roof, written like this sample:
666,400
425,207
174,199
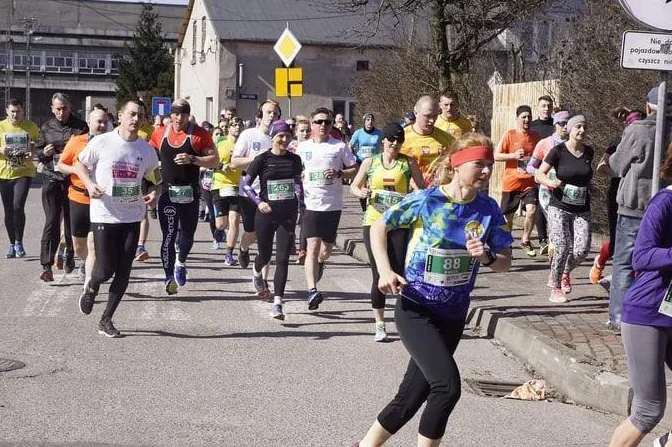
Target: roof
90,16
264,21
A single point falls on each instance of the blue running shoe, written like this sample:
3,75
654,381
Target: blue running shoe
171,286
11,252
314,299
229,259
20,251
181,275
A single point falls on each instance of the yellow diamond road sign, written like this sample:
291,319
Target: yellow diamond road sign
287,47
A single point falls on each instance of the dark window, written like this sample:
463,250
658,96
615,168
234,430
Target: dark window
362,65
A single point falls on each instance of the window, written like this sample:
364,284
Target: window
193,42
20,60
209,110
59,62
114,66
363,66
4,60
92,63
344,107
203,33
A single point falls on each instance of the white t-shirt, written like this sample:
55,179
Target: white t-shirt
118,166
322,194
251,143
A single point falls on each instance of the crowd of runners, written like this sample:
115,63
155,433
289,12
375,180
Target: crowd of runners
427,224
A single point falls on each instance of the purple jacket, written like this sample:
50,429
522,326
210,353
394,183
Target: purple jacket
652,260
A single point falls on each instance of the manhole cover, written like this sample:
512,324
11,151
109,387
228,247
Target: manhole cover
491,388
10,365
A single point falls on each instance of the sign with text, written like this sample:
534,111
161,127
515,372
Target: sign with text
160,106
647,51
655,13
289,82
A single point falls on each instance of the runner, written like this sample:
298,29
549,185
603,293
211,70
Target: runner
225,195
250,144
448,245
183,148
279,173
451,120
365,143
54,133
326,161
302,133
118,161
80,221
17,136
569,207
382,181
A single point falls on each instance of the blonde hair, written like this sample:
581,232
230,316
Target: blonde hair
443,170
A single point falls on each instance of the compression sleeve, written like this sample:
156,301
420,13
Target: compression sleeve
246,186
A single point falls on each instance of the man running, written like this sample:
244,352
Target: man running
53,135
80,221
451,120
17,135
183,148
326,161
112,167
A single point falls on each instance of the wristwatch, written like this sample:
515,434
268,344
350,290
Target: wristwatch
192,159
492,257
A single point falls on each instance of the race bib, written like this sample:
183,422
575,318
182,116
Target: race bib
280,189
228,191
126,192
181,194
366,151
666,305
318,178
574,195
446,267
17,143
56,158
382,199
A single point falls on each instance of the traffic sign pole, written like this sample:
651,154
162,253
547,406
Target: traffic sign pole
660,131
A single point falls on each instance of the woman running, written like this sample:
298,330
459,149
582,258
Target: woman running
279,173
455,228
569,208
388,175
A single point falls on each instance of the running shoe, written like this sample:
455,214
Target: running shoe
320,270
171,286
47,275
59,262
81,271
181,275
229,259
86,300
260,286
276,312
557,296
566,284
595,274
605,283
244,258
381,333
69,265
543,248
215,245
106,328
301,257
614,327
141,254
11,251
20,251
314,299
662,441
528,249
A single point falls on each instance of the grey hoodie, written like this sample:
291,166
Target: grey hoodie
633,162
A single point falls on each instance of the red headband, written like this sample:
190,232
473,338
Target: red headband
471,154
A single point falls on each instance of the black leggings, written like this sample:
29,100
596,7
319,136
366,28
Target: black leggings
56,205
217,235
542,226
281,221
397,240
115,246
174,216
432,373
14,194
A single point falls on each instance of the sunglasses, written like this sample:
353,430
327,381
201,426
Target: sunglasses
394,139
320,122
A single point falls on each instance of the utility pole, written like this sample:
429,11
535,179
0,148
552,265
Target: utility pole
29,25
8,50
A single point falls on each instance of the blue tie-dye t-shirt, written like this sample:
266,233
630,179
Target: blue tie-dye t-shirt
438,268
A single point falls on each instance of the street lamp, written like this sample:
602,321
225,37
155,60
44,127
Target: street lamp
29,24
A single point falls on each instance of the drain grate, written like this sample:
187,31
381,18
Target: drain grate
10,365
491,388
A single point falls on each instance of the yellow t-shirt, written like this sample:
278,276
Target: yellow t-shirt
19,137
455,128
388,186
145,132
230,178
425,148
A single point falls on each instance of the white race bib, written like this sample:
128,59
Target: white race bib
280,189
366,151
448,267
666,305
318,178
228,191
382,199
181,194
574,195
125,192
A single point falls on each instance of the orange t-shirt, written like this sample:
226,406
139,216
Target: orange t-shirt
200,138
73,147
515,178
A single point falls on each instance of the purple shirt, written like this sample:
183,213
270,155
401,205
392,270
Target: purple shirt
652,262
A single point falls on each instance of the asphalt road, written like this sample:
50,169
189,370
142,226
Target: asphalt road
208,366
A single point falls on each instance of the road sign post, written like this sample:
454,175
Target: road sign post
289,80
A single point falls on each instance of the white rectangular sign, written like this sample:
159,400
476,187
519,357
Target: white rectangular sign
647,51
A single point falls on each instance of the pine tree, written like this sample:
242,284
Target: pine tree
148,66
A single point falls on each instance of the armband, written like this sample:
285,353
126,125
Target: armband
492,257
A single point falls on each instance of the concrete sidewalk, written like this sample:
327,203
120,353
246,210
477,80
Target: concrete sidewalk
567,344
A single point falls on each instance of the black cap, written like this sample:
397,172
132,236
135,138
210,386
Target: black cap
393,131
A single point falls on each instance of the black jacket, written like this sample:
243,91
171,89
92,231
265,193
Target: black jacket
56,133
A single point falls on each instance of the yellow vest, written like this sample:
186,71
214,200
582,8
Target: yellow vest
388,186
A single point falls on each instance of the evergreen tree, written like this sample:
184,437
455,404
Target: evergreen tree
148,67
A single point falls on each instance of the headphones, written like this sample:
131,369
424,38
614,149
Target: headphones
260,113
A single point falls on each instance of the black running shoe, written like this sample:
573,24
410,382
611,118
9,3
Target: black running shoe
314,299
86,301
106,328
244,258
69,265
320,270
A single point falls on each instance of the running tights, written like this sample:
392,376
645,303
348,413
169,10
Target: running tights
115,246
570,234
397,240
281,222
14,194
174,216
432,375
